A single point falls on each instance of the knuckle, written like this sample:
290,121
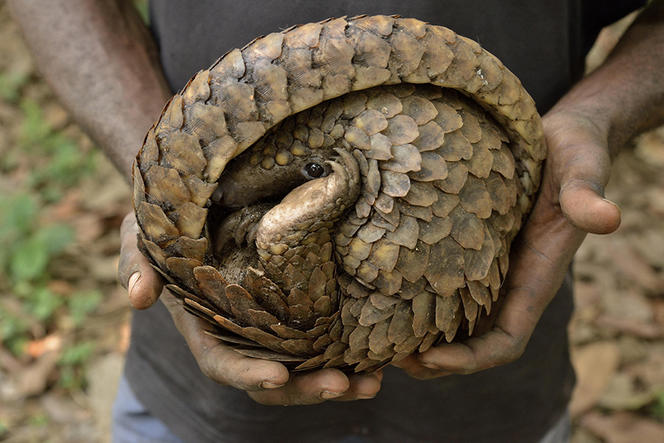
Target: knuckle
518,351
213,368
511,353
517,347
205,367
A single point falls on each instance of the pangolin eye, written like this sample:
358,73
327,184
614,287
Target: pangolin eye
313,170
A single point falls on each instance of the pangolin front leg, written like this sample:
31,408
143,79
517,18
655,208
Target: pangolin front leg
294,243
239,227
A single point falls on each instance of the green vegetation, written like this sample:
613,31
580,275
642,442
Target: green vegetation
657,408
65,164
72,364
50,164
11,84
142,7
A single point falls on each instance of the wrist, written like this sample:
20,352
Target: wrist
624,96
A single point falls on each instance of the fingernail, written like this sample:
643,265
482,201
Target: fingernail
327,395
270,385
132,282
610,202
365,396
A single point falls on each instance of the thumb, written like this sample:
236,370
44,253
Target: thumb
581,191
135,273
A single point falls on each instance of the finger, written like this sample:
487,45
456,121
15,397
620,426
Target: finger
135,274
220,362
581,202
506,342
495,348
581,167
306,389
363,387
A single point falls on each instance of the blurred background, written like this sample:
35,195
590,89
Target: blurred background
64,320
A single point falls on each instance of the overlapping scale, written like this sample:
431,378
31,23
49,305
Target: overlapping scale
442,150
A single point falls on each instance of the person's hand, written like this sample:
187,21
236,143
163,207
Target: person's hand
570,204
266,382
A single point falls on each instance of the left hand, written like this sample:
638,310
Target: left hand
570,204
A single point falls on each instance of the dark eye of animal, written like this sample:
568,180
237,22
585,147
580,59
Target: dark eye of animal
313,170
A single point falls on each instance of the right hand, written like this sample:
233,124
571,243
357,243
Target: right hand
569,205
266,382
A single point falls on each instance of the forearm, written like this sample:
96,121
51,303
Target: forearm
100,60
625,96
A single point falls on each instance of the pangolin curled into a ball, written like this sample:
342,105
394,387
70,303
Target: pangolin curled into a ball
342,193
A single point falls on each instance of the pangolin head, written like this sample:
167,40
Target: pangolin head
270,169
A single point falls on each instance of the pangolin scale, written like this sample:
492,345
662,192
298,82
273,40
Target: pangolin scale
343,193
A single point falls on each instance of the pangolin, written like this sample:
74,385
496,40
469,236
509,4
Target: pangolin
342,193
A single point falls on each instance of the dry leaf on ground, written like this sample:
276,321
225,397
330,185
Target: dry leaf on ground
595,365
623,427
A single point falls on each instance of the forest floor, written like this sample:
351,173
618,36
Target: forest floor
64,321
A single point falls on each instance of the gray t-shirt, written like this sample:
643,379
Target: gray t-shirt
543,42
